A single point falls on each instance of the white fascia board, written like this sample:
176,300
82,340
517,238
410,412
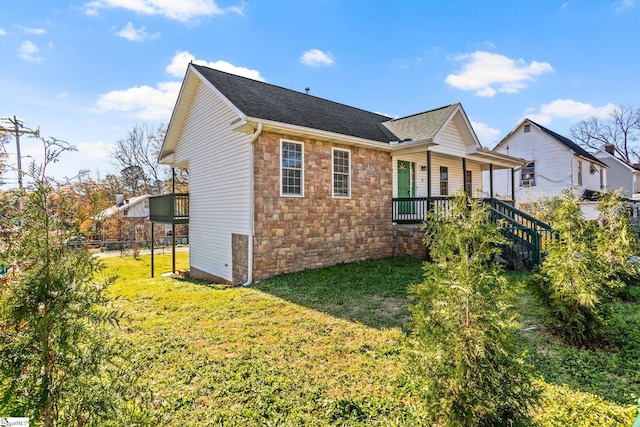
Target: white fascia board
177,113
410,147
315,133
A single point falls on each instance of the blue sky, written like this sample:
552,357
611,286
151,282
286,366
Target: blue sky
87,71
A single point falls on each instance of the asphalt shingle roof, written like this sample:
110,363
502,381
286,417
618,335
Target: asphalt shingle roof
269,102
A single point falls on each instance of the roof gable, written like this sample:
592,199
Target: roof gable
575,148
421,126
113,210
603,155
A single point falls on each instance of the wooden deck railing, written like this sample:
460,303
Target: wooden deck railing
169,208
528,235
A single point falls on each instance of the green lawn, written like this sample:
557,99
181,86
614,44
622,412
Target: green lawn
324,348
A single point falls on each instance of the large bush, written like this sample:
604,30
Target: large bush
57,360
462,351
585,266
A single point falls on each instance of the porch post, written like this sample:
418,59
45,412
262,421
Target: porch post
464,175
428,180
513,186
152,250
491,180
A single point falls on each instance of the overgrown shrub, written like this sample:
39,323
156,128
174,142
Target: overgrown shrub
616,241
582,267
58,363
463,357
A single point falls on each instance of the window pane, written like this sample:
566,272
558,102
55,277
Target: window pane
291,168
341,173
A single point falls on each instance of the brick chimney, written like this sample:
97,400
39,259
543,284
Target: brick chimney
609,148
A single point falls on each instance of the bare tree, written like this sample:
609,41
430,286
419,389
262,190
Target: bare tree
136,157
621,129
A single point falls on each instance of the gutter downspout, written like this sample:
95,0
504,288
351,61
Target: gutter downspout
254,137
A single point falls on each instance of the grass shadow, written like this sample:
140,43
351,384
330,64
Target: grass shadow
373,292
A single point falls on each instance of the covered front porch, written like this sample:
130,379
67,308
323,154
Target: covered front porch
426,179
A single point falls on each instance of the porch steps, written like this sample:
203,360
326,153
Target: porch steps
529,236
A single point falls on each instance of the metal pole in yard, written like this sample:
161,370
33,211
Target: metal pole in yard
152,244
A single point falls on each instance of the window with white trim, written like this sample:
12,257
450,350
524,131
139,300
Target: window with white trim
444,181
341,172
291,168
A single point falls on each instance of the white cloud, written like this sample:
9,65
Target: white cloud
34,31
487,135
143,102
488,73
183,10
622,5
136,34
180,60
156,103
316,57
95,150
2,32
568,109
28,52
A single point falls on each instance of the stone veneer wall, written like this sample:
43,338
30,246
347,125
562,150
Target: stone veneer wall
299,233
240,258
408,240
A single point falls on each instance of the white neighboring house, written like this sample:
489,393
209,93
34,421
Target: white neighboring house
555,163
620,175
135,207
126,220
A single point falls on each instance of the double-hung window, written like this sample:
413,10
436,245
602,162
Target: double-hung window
291,168
444,181
341,172
468,182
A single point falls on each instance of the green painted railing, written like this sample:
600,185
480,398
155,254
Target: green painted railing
169,208
530,236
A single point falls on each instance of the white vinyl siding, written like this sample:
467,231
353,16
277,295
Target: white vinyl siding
219,190
619,175
590,175
341,176
554,166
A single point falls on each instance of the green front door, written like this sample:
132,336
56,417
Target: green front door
405,186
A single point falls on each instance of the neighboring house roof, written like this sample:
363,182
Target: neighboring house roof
596,196
266,101
115,209
561,139
603,155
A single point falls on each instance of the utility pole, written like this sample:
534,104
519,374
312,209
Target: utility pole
18,129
